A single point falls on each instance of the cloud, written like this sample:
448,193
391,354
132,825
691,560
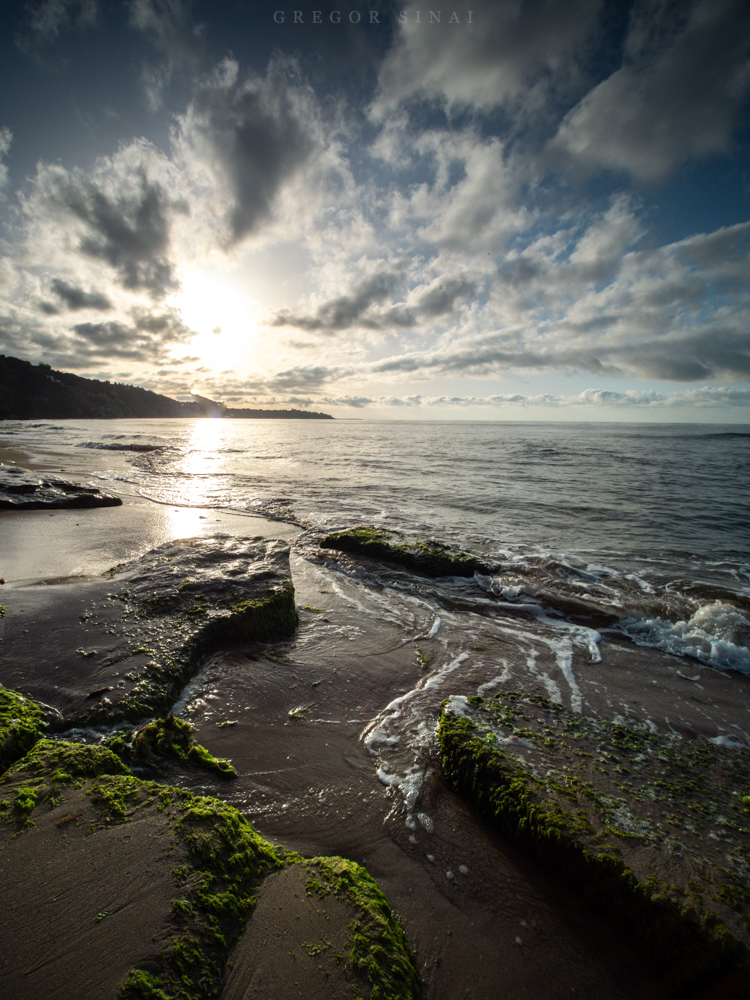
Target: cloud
6,137
76,298
677,96
440,298
120,214
169,26
147,338
508,55
706,397
361,306
305,378
48,19
242,140
351,310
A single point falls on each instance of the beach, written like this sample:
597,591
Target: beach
332,731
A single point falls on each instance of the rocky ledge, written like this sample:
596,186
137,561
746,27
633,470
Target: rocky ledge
116,888
22,490
654,828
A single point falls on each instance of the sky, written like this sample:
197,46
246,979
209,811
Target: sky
524,209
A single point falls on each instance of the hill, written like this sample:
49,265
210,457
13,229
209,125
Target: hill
38,392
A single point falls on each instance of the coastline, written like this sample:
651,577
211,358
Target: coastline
503,898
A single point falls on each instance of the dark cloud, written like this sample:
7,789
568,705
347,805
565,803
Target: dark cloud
352,310
146,337
508,53
75,298
249,137
6,137
355,309
305,378
684,78
129,230
440,297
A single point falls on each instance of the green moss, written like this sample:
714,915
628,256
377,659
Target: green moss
529,767
271,616
167,737
65,761
227,861
190,633
378,949
427,557
21,725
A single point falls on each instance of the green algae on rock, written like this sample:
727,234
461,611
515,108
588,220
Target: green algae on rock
180,602
167,737
21,724
651,826
217,861
377,947
424,556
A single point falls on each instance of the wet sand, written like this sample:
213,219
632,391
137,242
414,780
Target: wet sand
484,921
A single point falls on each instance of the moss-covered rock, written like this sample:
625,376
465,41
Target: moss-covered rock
423,556
180,602
377,947
650,826
219,863
21,725
166,737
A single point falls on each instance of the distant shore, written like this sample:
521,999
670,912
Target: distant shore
38,392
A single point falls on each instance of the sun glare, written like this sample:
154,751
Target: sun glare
223,315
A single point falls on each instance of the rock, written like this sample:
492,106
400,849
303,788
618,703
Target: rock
22,490
423,556
145,628
652,827
118,887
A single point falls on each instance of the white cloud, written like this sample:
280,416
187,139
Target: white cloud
169,26
48,19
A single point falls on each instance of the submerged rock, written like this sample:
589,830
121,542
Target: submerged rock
123,646
22,490
653,827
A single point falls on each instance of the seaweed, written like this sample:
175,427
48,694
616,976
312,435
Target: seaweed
425,556
21,725
378,949
624,815
167,737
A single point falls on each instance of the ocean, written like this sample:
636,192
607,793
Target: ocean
618,586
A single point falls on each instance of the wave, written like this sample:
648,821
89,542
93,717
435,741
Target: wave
132,446
717,634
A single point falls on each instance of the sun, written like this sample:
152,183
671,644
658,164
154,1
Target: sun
223,314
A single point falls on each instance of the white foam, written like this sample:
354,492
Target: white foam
458,704
727,741
717,635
